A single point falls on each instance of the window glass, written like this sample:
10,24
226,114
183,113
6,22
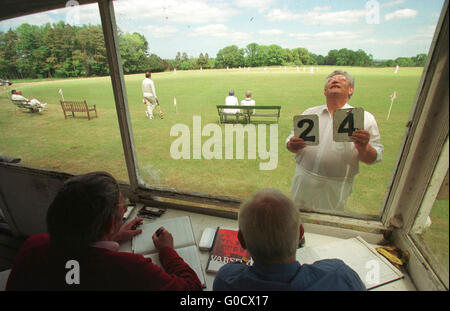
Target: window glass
53,56
435,234
282,52
431,223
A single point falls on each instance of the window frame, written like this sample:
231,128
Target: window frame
408,182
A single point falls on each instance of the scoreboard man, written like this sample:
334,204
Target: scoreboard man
325,171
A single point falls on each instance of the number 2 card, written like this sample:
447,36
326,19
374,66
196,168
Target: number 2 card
347,121
307,127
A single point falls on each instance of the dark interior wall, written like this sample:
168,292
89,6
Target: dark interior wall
25,195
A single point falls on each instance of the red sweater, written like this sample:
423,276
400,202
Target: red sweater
36,267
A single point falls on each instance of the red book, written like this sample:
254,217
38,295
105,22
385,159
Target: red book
226,249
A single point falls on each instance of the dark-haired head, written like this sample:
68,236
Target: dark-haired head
84,210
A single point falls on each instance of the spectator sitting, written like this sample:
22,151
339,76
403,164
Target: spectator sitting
84,222
231,100
34,104
248,101
269,227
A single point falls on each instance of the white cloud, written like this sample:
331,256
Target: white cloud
80,15
322,16
162,31
328,35
173,11
16,22
318,16
270,32
219,31
261,5
76,15
400,14
392,3
282,15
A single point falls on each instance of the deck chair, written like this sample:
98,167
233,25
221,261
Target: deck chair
25,104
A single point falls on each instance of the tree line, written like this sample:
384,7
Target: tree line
62,50
256,55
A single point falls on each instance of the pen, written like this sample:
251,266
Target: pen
159,231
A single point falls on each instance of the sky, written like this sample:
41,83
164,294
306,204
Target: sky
387,29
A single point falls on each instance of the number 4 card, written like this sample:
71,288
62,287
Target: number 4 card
345,122
307,127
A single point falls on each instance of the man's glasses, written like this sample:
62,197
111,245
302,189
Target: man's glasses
336,78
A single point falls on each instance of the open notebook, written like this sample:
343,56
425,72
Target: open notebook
183,240
373,269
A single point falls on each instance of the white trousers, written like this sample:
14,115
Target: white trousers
312,191
150,101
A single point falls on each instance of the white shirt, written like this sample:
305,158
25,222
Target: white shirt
231,101
18,97
148,87
335,159
248,102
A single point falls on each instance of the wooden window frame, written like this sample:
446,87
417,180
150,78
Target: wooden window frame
427,129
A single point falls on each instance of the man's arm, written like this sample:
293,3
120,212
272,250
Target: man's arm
186,278
153,90
294,144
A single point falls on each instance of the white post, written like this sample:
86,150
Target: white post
175,103
61,92
393,96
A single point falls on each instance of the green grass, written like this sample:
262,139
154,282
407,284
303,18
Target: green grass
436,236
78,145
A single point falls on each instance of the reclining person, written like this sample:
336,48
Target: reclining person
34,105
84,222
269,227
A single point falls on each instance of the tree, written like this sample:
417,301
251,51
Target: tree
155,64
303,56
250,54
201,61
134,52
177,62
207,62
230,56
420,60
275,55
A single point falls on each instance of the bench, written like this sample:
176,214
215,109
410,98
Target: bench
77,106
249,114
24,104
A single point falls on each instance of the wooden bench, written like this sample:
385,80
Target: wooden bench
76,106
249,114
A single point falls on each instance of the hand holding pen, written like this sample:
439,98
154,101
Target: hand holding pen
162,238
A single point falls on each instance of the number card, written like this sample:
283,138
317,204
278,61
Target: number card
307,127
345,122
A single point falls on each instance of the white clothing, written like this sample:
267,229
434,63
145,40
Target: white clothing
148,87
325,172
248,102
34,103
231,101
18,97
149,92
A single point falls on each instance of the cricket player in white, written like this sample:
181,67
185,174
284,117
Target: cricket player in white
325,172
150,98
